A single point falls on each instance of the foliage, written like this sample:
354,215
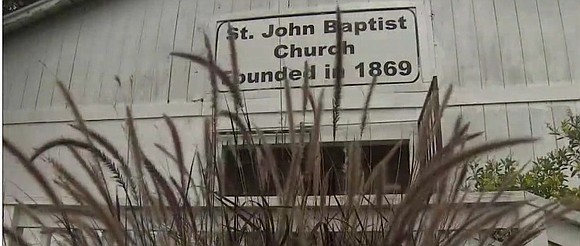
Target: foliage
150,208
548,176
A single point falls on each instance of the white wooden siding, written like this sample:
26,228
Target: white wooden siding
479,44
515,63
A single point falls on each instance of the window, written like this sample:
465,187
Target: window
241,176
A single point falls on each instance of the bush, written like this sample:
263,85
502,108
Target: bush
161,210
549,175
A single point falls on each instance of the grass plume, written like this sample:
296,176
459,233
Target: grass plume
152,208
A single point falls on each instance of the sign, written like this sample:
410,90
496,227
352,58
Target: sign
377,42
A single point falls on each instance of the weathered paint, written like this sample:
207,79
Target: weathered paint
515,65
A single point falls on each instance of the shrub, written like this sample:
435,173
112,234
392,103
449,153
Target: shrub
549,175
160,210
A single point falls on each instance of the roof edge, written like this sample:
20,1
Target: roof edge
33,12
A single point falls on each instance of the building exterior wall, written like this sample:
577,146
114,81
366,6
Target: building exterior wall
514,65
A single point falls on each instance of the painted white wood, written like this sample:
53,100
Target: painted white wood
532,42
496,128
113,52
121,51
450,116
466,39
540,240
562,233
14,72
23,57
8,216
569,10
474,115
223,6
198,77
518,117
515,94
260,4
68,52
165,44
488,43
33,236
183,42
540,115
510,43
242,5
560,112
269,102
83,58
130,51
445,51
274,5
50,63
97,54
554,42
34,72
161,135
146,65
6,86
21,185
296,3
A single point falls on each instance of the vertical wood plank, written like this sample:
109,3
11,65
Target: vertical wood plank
68,52
98,50
130,52
242,5
16,70
165,43
448,123
82,60
223,6
50,67
466,37
540,116
182,43
340,2
519,126
120,14
286,4
198,77
34,73
327,2
297,4
569,10
474,115
274,6
496,128
532,43
445,50
9,76
488,43
260,4
510,43
554,42
560,111
6,81
146,64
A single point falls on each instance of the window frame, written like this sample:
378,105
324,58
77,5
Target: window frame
226,136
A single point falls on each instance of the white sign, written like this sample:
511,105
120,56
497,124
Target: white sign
380,43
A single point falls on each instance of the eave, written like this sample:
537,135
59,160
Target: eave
32,13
